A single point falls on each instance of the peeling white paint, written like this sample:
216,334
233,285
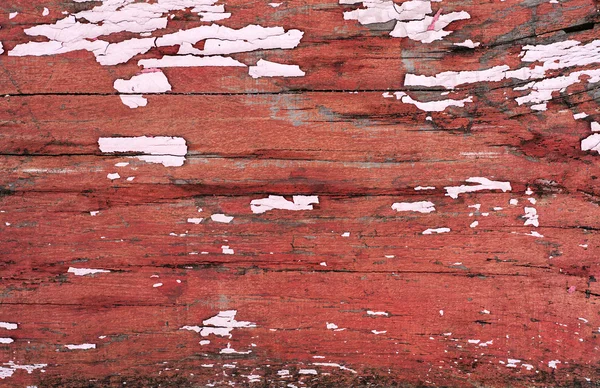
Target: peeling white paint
419,188
334,365
81,346
226,250
195,220
9,368
482,184
271,69
420,207
436,231
552,364
300,202
377,313
4,340
230,350
133,100
378,331
468,43
307,372
419,30
221,218
85,271
113,176
531,216
8,325
221,324
169,151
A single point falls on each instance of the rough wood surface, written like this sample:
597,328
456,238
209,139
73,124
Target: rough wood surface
476,289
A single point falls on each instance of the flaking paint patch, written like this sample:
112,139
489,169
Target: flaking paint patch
481,184
9,368
221,324
271,69
85,271
420,207
169,151
8,325
272,202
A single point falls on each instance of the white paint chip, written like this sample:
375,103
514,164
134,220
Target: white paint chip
221,324
81,346
299,202
436,231
8,325
195,220
169,151
221,218
420,207
271,69
113,176
481,184
85,271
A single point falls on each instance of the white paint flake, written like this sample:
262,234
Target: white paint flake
133,100
334,365
45,12
436,231
420,207
474,224
578,116
420,30
81,346
271,69
429,106
299,202
86,271
9,368
331,326
94,30
113,176
230,350
156,285
468,43
226,250
307,372
376,332
531,216
552,364
4,340
189,61
8,325
204,342
346,234
169,151
221,218
221,324
377,313
419,188
482,184
12,15
195,220
274,5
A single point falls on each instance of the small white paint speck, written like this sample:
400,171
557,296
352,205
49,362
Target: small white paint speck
195,220
155,285
323,264
378,332
346,234
226,250
113,176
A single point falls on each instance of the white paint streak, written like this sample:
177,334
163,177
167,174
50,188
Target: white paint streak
482,184
85,271
420,207
271,69
300,202
169,151
8,325
436,231
81,346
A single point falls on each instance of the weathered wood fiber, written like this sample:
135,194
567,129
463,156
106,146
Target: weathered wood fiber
349,294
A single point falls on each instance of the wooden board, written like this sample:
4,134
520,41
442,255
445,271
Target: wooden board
473,288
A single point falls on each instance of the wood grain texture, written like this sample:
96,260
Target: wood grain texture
348,294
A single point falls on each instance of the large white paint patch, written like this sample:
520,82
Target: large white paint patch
480,184
9,368
169,151
299,202
221,324
90,29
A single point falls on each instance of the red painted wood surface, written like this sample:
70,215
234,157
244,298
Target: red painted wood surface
487,305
